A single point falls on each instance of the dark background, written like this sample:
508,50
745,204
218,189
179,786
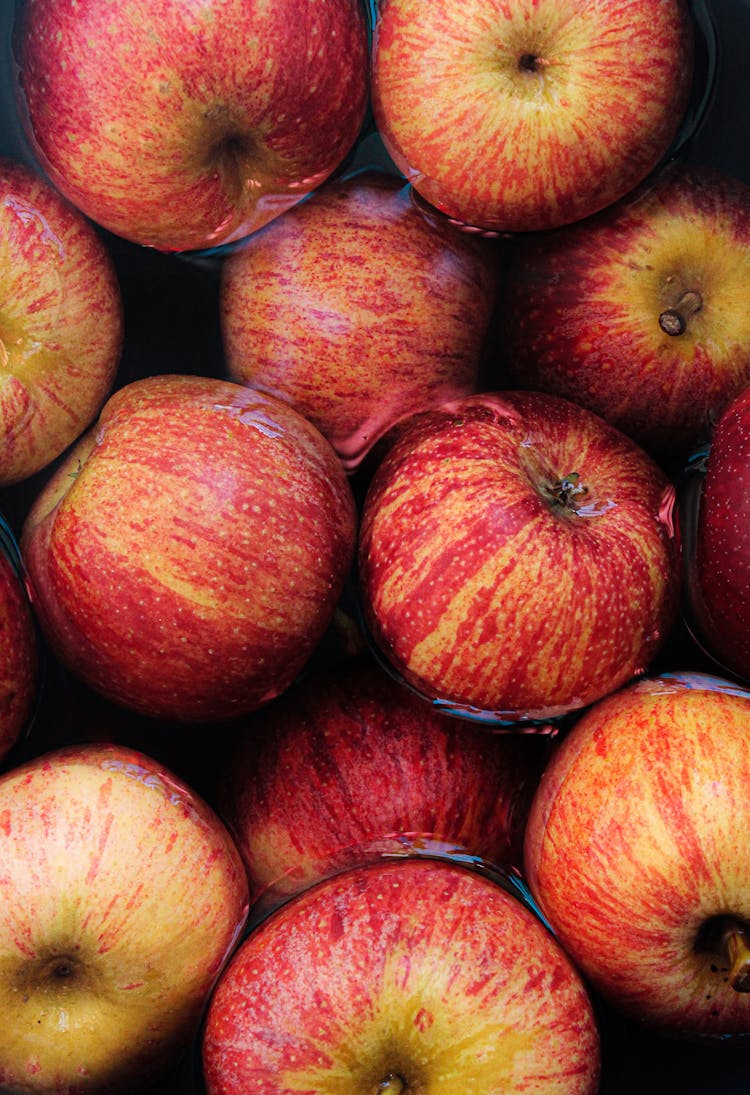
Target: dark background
172,326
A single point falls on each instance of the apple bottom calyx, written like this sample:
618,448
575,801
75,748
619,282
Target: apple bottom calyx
392,1084
728,939
673,321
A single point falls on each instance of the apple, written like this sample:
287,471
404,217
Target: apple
521,115
636,851
184,126
518,557
122,898
61,323
348,764
357,310
19,652
414,976
187,555
641,313
717,542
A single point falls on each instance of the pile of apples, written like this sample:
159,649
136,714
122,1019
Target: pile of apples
375,569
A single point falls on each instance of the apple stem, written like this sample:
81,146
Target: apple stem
673,321
566,490
729,940
738,956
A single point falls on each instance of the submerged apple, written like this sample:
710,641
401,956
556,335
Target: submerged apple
61,323
404,977
641,314
519,115
636,851
349,764
358,310
188,553
184,126
122,896
518,556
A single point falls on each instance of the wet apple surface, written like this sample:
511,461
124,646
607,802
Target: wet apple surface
172,325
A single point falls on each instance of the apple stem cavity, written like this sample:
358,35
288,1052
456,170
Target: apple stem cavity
728,939
674,321
568,491
530,62
392,1084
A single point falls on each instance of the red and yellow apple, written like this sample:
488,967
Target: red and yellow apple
19,648
122,898
641,314
358,310
520,115
636,851
718,560
348,765
518,556
185,126
187,555
418,976
61,323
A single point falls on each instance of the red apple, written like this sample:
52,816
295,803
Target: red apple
641,314
519,115
358,311
636,851
19,657
403,977
122,897
184,126
61,323
518,556
188,554
348,764
718,559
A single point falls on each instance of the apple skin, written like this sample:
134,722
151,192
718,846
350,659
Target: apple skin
637,837
187,555
61,323
19,649
518,556
187,126
355,345
348,764
718,583
122,898
522,115
414,976
582,307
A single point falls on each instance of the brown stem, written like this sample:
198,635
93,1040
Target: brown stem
674,321
728,938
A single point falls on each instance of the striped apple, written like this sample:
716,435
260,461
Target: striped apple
518,556
61,323
358,310
182,125
187,556
122,898
417,976
517,115
348,764
642,313
636,850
